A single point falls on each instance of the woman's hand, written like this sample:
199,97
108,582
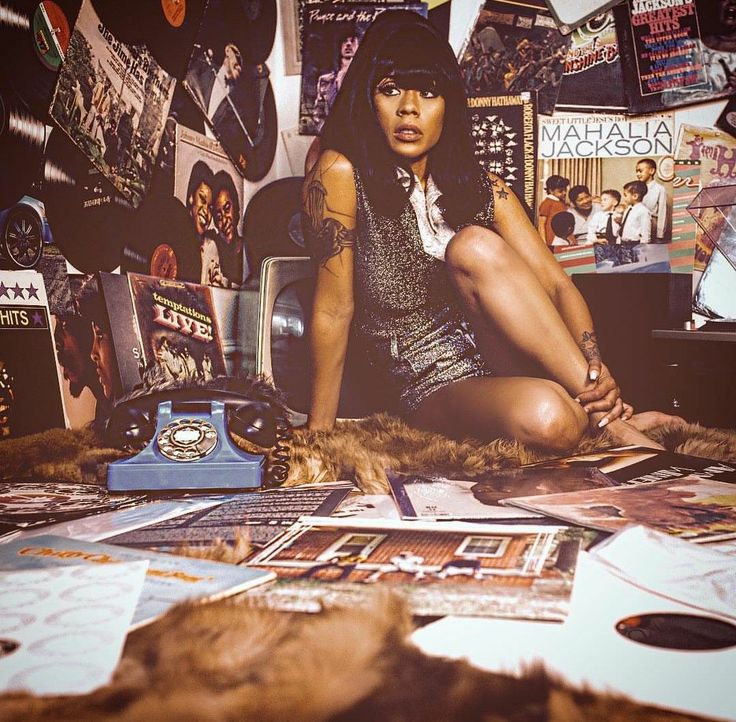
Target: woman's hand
603,395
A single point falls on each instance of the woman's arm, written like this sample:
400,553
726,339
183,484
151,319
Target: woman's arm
329,222
513,225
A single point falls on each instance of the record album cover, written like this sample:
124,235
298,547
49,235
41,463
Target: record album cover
515,48
229,81
179,332
592,78
504,129
600,157
699,510
112,100
520,571
30,384
675,54
331,34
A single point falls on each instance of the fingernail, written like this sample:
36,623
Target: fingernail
602,422
577,400
593,375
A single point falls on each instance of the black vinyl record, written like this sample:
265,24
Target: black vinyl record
88,217
21,148
35,39
169,28
260,154
272,223
253,25
123,19
162,241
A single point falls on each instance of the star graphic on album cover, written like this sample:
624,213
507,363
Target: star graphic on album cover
4,290
37,318
17,290
32,292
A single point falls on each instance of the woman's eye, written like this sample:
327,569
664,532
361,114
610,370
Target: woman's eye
388,89
428,94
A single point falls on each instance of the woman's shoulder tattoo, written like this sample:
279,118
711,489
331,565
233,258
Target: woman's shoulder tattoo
325,237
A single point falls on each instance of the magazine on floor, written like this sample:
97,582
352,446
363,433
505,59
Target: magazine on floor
691,508
524,571
435,497
170,579
260,516
628,465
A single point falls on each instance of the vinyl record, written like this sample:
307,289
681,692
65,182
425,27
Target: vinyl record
21,148
27,502
162,241
169,28
123,19
272,223
678,631
35,40
259,156
253,26
89,219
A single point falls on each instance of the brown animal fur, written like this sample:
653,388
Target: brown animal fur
358,450
232,660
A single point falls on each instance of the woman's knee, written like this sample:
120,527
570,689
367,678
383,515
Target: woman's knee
555,422
476,248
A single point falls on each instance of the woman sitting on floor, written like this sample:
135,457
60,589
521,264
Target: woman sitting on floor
463,313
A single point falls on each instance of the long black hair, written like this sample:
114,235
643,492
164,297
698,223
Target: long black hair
403,45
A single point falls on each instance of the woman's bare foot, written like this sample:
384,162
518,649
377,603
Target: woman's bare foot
624,433
649,419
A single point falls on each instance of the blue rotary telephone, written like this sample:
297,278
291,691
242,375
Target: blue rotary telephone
187,442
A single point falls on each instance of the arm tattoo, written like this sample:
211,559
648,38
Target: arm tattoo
498,187
589,346
325,237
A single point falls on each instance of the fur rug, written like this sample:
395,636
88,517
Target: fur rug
357,450
234,661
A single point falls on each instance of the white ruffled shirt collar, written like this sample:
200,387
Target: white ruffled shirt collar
433,229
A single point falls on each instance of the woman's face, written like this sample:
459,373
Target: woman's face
103,356
411,120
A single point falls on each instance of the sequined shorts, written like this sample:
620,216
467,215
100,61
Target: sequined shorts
419,365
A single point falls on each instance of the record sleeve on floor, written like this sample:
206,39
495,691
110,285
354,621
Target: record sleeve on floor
88,219
35,41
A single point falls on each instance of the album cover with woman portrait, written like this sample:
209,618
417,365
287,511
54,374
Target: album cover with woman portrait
331,34
30,393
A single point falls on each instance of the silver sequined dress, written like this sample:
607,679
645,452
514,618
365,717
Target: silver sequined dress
407,312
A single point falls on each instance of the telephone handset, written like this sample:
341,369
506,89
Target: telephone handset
183,440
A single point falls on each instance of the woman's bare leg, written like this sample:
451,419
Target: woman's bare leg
534,411
510,311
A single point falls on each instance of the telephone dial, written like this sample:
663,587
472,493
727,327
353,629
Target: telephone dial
183,441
